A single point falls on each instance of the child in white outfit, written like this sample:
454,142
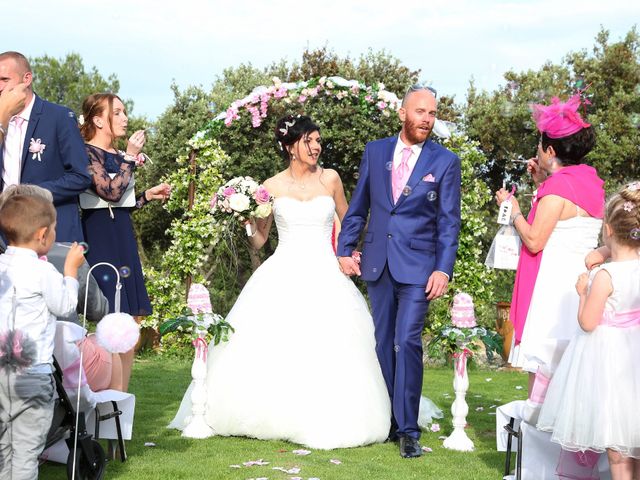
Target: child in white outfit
32,293
592,400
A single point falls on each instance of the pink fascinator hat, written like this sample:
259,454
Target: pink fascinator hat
560,119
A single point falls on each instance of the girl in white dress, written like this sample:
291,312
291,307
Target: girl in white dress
592,400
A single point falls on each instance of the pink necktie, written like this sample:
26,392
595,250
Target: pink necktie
400,175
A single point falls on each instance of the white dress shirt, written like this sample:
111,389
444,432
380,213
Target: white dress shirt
41,295
14,146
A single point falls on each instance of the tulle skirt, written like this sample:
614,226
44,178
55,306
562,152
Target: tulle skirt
593,400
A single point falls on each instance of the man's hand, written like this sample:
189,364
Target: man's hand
12,101
436,285
349,266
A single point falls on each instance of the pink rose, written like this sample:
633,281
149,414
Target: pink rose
261,195
228,191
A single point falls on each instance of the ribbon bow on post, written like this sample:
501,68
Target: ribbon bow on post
460,359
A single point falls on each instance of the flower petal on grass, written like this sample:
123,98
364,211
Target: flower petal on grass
488,379
519,387
335,461
235,466
479,409
435,427
258,463
427,449
301,452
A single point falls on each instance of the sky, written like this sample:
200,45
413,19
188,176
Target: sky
148,44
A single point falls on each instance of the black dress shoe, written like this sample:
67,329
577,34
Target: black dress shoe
409,447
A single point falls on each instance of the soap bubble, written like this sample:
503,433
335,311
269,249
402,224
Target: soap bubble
125,271
85,247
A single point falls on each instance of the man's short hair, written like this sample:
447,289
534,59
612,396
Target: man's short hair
20,59
22,215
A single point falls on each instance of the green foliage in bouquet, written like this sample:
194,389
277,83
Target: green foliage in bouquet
211,326
450,339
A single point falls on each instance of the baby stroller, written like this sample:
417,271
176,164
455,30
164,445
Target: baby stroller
89,461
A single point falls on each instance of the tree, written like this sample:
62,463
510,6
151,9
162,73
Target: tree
66,82
501,120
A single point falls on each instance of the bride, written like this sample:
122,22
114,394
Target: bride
301,365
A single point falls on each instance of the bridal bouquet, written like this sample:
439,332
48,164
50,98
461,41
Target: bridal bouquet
241,198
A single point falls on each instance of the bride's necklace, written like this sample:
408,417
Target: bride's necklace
300,185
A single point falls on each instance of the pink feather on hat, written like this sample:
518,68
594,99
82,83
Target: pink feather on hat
560,119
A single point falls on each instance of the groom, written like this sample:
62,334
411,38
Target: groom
43,147
409,189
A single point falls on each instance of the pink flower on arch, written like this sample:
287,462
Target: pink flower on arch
228,191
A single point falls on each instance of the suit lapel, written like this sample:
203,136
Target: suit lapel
36,111
418,169
386,172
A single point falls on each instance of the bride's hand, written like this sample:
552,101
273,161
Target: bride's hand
136,142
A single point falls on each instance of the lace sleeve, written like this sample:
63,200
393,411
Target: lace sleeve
107,188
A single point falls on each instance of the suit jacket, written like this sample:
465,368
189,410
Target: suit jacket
419,233
63,165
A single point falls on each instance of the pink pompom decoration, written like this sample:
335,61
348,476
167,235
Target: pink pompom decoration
462,315
198,299
118,332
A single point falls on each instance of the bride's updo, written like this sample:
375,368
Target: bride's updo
290,129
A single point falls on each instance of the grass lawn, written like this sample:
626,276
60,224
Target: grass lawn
159,384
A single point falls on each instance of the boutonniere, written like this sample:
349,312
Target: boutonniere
37,148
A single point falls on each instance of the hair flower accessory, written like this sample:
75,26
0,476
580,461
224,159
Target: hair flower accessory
80,120
628,206
37,148
560,119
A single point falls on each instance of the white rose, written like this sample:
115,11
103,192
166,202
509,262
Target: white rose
263,211
239,202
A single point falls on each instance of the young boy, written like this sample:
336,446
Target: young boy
32,294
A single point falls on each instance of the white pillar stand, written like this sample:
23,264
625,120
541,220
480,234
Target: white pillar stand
197,427
458,440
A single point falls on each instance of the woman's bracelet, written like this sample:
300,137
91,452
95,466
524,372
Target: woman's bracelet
513,218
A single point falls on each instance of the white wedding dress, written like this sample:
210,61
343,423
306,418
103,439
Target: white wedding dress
301,365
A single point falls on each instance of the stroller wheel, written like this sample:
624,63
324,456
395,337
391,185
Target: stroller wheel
85,470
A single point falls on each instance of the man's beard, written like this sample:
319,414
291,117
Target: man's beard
413,134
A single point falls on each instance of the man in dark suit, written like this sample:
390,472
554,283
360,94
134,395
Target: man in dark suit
409,190
43,147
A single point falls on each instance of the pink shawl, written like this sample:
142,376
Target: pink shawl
581,185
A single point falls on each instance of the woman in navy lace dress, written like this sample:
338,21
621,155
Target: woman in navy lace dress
107,205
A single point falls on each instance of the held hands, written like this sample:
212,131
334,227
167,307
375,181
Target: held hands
349,266
436,285
73,260
136,142
159,192
582,284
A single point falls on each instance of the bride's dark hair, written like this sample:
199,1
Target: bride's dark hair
290,129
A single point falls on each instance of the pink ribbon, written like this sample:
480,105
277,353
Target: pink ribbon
461,360
201,348
621,320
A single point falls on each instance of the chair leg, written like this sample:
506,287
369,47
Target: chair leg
123,453
518,435
507,463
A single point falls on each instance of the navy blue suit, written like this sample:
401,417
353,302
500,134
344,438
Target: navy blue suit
63,165
404,243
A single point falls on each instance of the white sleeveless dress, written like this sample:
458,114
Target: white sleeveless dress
301,365
593,399
552,318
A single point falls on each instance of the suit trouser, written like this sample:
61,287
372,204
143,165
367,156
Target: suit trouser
26,411
399,311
